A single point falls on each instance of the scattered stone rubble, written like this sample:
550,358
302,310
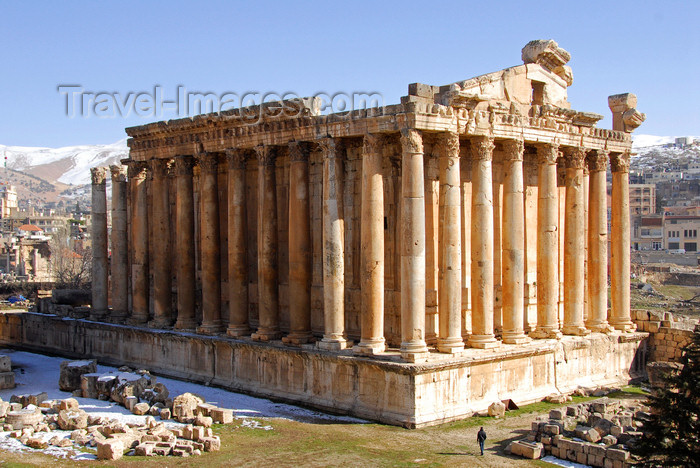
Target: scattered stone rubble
596,433
27,416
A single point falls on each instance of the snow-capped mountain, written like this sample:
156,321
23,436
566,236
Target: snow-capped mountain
660,153
69,165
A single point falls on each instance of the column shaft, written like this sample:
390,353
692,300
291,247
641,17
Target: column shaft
574,245
372,251
299,246
100,272
120,254
184,244
139,243
598,244
210,245
268,293
162,275
413,347
482,244
333,248
513,234
547,244
450,248
237,248
620,245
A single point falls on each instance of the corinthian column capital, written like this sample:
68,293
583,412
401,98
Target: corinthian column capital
207,162
118,173
411,141
482,148
183,165
160,167
514,149
236,158
266,155
598,161
620,162
574,157
98,175
329,147
448,145
298,151
137,170
548,153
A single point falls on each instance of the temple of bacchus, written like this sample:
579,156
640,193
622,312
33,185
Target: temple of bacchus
409,264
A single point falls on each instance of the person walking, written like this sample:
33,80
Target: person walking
481,438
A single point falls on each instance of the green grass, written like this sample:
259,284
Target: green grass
634,391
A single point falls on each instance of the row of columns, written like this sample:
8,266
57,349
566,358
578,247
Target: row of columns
412,245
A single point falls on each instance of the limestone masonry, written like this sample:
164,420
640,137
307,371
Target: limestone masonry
418,261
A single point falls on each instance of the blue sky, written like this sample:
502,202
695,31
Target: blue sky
649,48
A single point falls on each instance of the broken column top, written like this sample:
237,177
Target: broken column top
625,115
545,52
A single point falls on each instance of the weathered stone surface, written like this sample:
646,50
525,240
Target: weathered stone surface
497,409
532,450
222,415
184,406
110,449
141,408
72,297
20,418
72,372
557,413
70,420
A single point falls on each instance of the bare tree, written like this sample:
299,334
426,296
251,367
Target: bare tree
70,262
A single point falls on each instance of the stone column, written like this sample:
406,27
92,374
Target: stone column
372,251
620,243
299,246
333,248
268,293
210,246
139,243
119,264
237,248
162,274
547,244
100,272
184,244
513,234
482,244
574,245
413,347
597,243
450,248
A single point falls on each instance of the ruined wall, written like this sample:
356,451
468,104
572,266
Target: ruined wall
668,334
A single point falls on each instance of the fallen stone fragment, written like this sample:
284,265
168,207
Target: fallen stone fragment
37,443
221,415
69,420
184,406
71,373
140,408
497,409
110,449
144,449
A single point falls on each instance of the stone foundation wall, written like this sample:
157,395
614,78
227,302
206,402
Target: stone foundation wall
385,390
668,334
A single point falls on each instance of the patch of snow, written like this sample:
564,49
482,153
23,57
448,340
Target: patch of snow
79,363
564,463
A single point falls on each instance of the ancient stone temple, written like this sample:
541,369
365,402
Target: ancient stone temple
409,264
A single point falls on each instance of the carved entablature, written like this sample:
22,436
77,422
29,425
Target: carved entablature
137,170
98,175
118,172
574,157
620,162
514,149
267,155
236,158
548,153
482,148
598,161
183,165
411,141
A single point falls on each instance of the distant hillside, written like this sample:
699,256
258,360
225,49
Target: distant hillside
653,155
66,166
